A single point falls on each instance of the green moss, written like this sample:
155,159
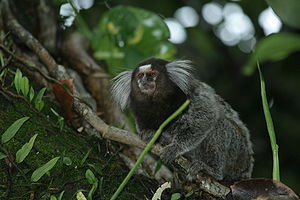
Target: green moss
52,142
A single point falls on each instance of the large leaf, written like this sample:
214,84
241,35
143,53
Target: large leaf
287,10
13,129
26,148
39,172
126,35
272,48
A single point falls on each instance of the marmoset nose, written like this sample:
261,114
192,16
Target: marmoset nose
147,78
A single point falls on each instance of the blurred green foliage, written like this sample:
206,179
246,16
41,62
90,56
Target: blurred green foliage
126,35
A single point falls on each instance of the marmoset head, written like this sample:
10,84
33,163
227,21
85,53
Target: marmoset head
152,79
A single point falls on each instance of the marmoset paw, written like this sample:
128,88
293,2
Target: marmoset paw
198,166
169,153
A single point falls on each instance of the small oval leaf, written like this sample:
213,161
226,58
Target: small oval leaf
13,129
67,161
31,94
17,80
26,148
175,196
39,172
89,175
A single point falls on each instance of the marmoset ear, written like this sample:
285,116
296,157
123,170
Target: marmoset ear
179,72
121,89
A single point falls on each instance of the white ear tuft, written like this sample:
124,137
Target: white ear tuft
121,89
179,72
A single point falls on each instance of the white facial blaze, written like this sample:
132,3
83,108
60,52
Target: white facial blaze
145,67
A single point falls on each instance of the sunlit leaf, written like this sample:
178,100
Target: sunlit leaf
26,148
272,48
17,80
13,129
287,10
24,86
80,196
175,196
31,94
39,172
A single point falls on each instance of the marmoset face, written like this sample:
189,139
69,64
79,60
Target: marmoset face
146,78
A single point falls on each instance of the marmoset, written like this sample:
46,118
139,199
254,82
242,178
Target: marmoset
208,132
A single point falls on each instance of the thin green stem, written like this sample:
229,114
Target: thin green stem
270,127
148,147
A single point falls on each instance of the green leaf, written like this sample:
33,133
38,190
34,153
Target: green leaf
61,195
31,94
52,197
67,161
190,193
13,129
38,102
270,127
39,172
26,148
175,196
85,157
40,95
127,35
39,105
93,189
272,48
89,175
80,196
287,10
18,80
2,155
25,86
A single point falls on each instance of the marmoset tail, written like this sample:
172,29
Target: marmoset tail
209,132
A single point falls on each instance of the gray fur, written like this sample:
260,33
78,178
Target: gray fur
209,132
121,89
179,73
